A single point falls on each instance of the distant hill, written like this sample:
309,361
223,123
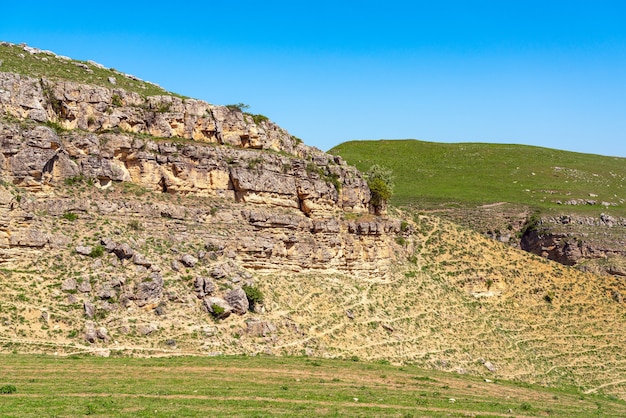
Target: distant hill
437,175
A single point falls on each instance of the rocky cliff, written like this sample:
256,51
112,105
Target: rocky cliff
144,201
590,243
167,144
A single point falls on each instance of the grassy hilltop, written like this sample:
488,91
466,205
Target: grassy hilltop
14,59
437,175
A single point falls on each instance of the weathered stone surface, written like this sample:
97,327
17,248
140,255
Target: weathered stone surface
148,329
69,285
29,238
89,309
203,286
289,220
188,260
149,290
102,333
39,153
84,286
106,291
141,260
123,251
259,328
90,333
490,366
238,300
84,249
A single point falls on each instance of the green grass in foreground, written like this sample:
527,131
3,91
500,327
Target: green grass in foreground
268,387
14,59
433,175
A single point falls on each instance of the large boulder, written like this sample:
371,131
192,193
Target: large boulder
238,300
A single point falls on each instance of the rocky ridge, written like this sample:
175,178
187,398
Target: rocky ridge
102,139
190,187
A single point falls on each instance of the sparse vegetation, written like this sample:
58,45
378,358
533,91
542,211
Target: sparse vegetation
254,295
259,118
116,100
238,106
135,225
15,59
217,310
96,251
70,216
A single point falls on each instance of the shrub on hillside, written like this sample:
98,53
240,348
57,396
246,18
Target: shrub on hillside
380,181
254,295
8,389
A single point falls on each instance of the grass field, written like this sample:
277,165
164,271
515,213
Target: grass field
435,175
268,387
14,59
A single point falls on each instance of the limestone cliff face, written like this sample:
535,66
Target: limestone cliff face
104,141
97,109
294,198
577,240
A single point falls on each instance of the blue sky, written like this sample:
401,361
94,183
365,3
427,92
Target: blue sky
547,73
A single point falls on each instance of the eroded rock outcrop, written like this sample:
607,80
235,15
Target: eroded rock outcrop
205,200
574,240
38,158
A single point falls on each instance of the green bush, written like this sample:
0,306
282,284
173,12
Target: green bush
525,406
72,181
254,295
380,181
116,100
259,118
97,251
8,389
217,310
238,106
70,216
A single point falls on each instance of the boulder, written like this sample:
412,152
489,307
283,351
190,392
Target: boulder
188,260
102,333
84,249
89,309
140,260
123,251
29,238
218,307
238,300
148,329
84,286
149,290
69,285
259,328
203,286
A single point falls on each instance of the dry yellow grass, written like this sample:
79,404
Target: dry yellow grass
458,303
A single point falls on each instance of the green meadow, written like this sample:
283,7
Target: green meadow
438,175
48,386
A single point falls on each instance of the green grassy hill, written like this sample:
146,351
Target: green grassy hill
14,59
438,175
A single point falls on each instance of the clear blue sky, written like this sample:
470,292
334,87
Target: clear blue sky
547,73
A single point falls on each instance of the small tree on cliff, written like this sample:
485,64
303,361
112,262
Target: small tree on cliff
380,181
